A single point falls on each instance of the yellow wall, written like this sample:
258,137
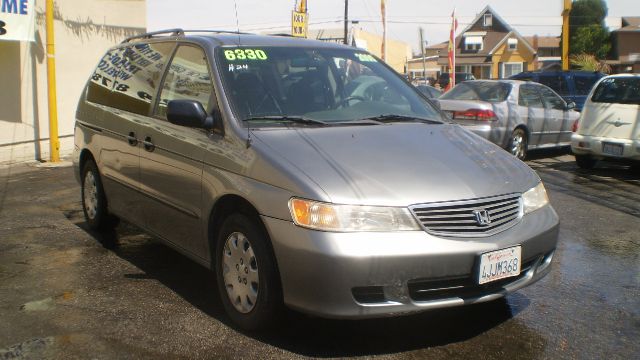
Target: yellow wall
397,51
80,41
503,55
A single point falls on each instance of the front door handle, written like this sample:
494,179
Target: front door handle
148,145
131,138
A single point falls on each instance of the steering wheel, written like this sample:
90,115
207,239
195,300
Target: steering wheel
345,102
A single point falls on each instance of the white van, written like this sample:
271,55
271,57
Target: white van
609,127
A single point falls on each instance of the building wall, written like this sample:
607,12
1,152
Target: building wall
504,55
84,29
398,52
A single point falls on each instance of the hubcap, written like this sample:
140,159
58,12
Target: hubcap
517,145
240,272
90,195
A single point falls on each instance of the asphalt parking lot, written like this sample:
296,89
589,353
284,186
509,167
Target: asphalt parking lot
64,295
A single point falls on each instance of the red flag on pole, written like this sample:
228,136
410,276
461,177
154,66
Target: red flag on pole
452,51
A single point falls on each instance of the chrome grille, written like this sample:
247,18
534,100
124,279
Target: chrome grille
460,218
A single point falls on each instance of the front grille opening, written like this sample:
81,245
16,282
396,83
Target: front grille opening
459,218
460,287
368,294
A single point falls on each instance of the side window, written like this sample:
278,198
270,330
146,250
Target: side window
528,96
551,100
101,82
188,78
139,76
556,82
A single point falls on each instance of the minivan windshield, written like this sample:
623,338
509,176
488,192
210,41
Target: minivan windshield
490,91
622,90
269,86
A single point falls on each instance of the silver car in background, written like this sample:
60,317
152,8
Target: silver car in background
305,174
513,114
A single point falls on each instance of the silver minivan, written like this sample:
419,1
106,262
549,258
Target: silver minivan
305,174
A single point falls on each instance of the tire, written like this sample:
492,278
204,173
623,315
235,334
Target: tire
94,201
518,144
585,161
246,273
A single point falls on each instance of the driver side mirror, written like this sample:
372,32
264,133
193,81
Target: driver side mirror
571,105
189,113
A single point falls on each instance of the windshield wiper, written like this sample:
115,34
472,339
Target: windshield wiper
284,118
388,118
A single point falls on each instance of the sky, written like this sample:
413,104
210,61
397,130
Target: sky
404,17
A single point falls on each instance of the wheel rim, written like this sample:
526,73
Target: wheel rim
240,272
517,144
90,195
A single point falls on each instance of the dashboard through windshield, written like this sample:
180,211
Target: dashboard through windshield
265,84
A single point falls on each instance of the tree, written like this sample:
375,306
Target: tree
587,62
588,33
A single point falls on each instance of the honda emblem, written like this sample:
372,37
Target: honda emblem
482,217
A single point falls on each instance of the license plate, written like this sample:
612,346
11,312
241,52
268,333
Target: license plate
612,149
499,264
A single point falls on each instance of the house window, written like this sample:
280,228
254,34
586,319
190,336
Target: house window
488,20
512,44
473,43
509,69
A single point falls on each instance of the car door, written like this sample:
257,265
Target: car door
558,123
532,112
139,73
172,157
116,155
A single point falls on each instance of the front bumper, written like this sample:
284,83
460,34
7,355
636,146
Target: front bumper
593,145
360,275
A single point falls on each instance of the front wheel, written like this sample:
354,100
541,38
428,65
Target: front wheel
246,273
518,144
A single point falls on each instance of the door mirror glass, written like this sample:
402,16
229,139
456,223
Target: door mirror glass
571,105
189,113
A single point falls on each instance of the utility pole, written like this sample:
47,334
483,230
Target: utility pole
383,10
346,21
565,34
424,62
54,142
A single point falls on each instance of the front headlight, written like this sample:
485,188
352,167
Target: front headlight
535,198
332,217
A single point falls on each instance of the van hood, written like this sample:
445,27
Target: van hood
398,164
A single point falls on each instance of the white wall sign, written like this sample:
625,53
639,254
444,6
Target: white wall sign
17,20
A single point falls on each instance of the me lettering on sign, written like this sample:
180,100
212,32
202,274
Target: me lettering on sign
2,29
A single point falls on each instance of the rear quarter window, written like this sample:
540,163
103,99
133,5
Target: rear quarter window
479,90
101,81
618,91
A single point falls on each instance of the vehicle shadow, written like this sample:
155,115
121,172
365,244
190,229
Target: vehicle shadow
538,154
298,333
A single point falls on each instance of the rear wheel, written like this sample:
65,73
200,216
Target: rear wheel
94,201
518,144
246,273
585,161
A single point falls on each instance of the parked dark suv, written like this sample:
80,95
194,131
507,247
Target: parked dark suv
443,80
571,85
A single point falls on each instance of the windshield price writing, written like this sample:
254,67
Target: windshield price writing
245,54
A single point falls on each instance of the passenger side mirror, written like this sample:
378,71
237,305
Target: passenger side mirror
571,105
189,113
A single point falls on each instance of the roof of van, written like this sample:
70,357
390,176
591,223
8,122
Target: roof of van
223,38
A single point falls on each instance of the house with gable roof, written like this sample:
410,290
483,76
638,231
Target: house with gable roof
489,48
